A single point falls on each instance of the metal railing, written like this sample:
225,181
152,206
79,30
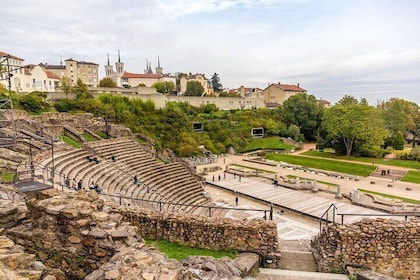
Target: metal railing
405,215
159,205
325,216
333,208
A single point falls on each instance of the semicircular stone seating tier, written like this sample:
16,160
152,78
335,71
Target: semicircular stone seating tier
157,181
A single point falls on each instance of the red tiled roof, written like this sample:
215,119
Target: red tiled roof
322,101
51,75
287,87
128,75
27,69
12,56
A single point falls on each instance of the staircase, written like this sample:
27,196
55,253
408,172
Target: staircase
297,263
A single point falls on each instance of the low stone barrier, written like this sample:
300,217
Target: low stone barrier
390,247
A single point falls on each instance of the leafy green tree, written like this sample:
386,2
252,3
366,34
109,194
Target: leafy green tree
355,123
210,108
164,87
81,90
66,86
398,141
107,82
215,83
34,102
194,88
399,114
303,111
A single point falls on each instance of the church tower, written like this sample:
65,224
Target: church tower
159,70
119,66
108,69
148,69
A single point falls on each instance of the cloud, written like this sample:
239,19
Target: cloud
329,47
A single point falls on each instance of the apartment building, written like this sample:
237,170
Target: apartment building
26,78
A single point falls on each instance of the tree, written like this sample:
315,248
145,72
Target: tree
107,82
66,86
400,116
194,88
81,90
303,110
215,83
355,123
164,87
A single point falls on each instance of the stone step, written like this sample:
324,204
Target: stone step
300,261
278,274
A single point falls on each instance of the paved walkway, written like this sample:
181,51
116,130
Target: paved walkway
314,204
299,201
380,184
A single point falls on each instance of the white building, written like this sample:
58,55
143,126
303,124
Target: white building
26,78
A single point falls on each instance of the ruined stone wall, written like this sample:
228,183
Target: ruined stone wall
211,233
390,247
81,236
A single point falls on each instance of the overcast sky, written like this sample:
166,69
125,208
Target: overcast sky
332,48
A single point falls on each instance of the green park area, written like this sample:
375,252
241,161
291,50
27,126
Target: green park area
382,161
350,168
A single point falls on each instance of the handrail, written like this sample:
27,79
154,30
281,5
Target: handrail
326,215
405,215
162,203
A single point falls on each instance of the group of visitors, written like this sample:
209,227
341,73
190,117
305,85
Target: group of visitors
136,182
71,184
95,186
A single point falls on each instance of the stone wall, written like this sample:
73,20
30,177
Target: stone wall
81,236
211,233
391,247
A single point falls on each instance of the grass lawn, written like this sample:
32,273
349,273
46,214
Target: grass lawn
88,137
325,164
70,141
412,177
179,252
392,162
391,196
272,143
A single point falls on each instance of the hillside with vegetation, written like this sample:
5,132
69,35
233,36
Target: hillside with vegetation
351,127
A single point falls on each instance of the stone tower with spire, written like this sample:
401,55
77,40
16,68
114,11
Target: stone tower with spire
115,75
119,65
159,70
108,69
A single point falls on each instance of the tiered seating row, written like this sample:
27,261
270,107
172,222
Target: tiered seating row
118,161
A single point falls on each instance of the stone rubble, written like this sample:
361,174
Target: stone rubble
81,236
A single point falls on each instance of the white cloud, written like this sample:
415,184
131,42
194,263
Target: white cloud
330,47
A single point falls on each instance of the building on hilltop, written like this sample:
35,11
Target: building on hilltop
201,78
130,80
26,78
324,103
275,94
116,75
247,91
87,72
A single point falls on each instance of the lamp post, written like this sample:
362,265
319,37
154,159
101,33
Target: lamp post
52,161
107,126
31,162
